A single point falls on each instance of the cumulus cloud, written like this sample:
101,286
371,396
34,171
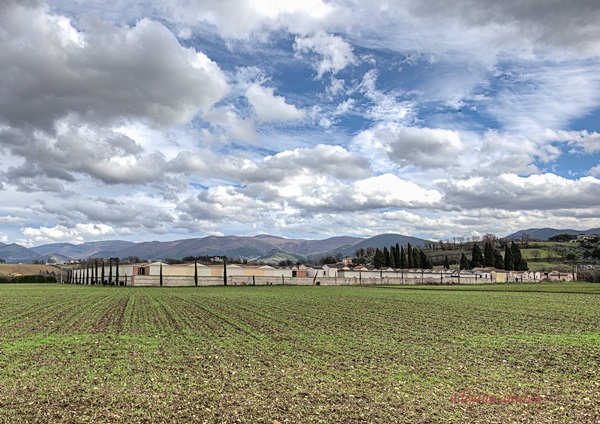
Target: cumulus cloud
425,147
75,234
103,73
226,203
100,153
335,53
388,190
513,192
64,89
570,25
240,19
314,194
269,107
321,160
412,25
234,127
594,171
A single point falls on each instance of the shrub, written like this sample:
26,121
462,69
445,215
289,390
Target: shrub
589,275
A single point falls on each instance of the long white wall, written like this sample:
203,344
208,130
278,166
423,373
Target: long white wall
179,281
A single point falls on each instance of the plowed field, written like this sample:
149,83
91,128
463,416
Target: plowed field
501,353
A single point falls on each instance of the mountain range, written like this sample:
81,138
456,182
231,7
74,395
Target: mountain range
263,247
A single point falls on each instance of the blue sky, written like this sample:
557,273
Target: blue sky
144,121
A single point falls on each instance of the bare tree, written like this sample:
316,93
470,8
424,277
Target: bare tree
525,239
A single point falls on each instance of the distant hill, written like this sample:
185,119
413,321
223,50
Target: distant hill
103,249
546,233
311,247
235,247
381,241
15,254
276,256
263,247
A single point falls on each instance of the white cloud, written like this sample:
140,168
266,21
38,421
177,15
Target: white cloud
333,161
388,190
235,128
512,192
102,73
595,171
240,19
540,96
61,233
321,160
335,53
226,203
384,106
269,107
425,147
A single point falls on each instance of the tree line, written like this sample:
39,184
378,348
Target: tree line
396,257
491,257
412,257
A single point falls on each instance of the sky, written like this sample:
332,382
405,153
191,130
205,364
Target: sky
150,120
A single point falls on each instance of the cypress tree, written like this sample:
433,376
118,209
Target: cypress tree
476,256
519,263
410,262
425,263
397,256
378,259
446,263
509,264
110,281
489,257
160,276
403,262
387,261
464,262
103,275
224,270
196,272
416,254
96,266
117,271
498,260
